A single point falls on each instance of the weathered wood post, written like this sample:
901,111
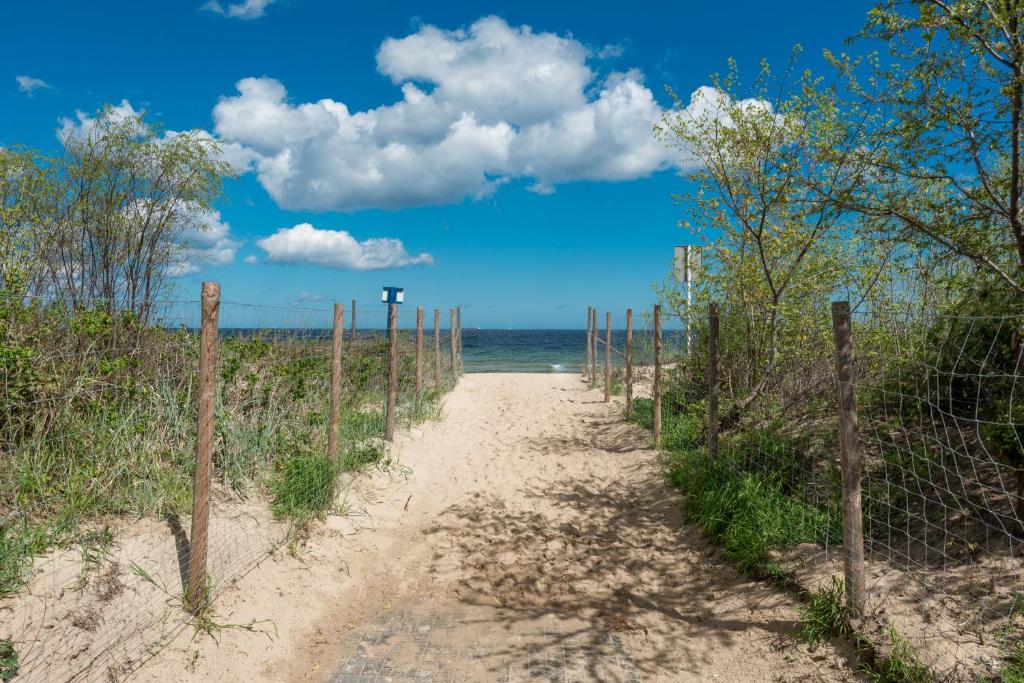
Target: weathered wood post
607,357
195,591
586,347
437,350
657,376
451,341
419,352
850,463
713,382
593,345
629,363
337,347
458,345
389,417
353,319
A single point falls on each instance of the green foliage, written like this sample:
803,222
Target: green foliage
825,614
8,660
900,665
749,508
304,486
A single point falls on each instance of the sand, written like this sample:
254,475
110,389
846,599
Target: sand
527,535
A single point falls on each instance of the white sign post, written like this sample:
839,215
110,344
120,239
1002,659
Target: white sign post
687,268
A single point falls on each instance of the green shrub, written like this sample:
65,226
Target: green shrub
304,486
360,456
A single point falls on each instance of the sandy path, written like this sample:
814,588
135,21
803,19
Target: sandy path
529,538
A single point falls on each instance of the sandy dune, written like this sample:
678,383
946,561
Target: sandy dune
526,536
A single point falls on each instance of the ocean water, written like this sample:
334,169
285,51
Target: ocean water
506,350
543,350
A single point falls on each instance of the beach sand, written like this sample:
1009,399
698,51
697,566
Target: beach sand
527,535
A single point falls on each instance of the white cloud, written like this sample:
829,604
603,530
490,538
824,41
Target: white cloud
308,297
251,259
247,9
305,244
29,85
83,123
479,107
206,241
611,51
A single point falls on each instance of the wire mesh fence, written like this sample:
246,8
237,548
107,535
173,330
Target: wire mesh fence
98,431
937,462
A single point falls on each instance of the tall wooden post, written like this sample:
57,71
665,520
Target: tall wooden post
419,351
458,325
451,341
593,345
353,319
657,375
586,347
337,346
437,350
713,382
850,462
195,591
389,417
629,363
607,357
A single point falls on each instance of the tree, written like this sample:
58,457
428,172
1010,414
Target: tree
946,163
110,211
774,173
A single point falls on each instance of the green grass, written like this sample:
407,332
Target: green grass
115,435
8,660
899,665
824,614
304,486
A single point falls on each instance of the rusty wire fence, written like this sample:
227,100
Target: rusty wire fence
100,432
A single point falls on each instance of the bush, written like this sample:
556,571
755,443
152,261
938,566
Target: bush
304,486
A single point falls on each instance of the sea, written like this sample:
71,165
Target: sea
496,350
547,350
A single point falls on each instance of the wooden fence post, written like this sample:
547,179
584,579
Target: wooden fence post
593,345
353,319
586,347
713,382
458,325
389,417
337,346
195,591
657,376
437,350
419,351
451,341
607,357
850,463
629,363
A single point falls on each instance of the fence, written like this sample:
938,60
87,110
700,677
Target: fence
154,457
899,468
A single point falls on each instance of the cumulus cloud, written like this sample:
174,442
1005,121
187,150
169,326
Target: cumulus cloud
83,123
247,9
206,241
479,107
305,244
29,85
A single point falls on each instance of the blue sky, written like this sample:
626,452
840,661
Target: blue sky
525,220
